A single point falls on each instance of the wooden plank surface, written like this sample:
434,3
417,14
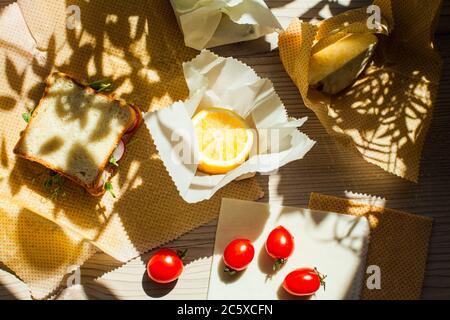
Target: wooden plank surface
328,168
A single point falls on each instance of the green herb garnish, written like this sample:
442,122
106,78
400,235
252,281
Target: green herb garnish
182,253
113,161
101,85
54,185
27,115
109,188
35,177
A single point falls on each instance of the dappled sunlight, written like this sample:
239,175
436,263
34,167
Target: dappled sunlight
126,46
139,48
386,114
364,211
95,51
38,251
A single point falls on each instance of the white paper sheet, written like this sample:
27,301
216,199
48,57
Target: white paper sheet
334,243
211,23
228,83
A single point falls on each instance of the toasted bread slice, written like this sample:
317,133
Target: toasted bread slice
74,130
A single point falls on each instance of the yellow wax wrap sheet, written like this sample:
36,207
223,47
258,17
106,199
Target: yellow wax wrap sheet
136,44
384,116
39,251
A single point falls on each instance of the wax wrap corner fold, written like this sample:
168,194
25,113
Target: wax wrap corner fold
211,23
227,83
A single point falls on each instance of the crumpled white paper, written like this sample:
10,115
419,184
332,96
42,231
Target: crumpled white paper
211,23
215,81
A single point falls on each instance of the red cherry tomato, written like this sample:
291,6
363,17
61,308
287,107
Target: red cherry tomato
238,255
280,245
165,266
304,282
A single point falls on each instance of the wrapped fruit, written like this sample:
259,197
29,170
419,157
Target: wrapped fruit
337,66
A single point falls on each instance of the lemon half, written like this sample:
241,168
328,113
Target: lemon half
225,140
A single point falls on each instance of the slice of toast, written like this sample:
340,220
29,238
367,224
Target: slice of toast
74,131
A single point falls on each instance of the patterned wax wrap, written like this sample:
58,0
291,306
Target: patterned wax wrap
384,116
139,46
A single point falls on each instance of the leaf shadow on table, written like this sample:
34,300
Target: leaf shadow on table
94,51
384,117
151,66
150,69
141,51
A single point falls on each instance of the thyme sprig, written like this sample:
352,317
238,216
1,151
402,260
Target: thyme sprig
27,115
54,185
103,85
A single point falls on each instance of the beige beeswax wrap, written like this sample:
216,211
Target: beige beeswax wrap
398,245
385,114
38,250
139,46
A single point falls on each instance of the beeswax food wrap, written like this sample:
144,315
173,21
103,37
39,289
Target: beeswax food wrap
38,250
226,83
139,47
384,116
211,23
398,244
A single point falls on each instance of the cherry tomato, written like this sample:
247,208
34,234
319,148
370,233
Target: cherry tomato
280,245
238,255
165,266
304,282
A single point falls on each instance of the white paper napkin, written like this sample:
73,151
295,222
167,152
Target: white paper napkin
334,243
215,81
211,23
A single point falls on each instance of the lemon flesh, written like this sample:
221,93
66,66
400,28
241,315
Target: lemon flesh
224,140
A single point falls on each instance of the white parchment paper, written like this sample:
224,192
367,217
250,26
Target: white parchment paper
211,23
215,81
336,244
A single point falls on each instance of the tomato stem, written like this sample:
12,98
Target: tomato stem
278,264
321,276
230,271
182,253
